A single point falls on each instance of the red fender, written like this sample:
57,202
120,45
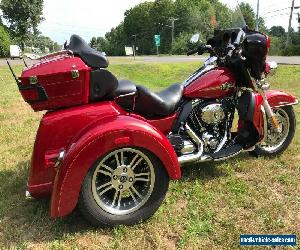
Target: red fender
107,134
278,98
275,98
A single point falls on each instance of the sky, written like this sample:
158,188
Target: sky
96,17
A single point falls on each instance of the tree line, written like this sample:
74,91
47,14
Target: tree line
22,18
147,19
139,26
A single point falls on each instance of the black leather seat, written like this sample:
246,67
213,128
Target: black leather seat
90,56
125,87
159,104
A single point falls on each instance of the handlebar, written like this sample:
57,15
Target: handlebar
192,52
201,49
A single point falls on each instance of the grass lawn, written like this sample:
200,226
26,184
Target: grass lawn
207,209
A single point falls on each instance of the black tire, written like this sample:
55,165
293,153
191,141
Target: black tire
260,151
100,218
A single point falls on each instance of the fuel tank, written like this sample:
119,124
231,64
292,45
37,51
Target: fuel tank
216,83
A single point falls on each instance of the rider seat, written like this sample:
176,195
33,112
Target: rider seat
163,103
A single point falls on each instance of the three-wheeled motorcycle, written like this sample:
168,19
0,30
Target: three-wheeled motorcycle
111,146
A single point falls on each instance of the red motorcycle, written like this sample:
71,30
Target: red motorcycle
110,146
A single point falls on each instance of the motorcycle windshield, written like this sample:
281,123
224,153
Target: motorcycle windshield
224,14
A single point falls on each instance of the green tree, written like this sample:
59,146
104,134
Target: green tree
278,31
4,42
99,43
182,44
23,17
116,41
248,14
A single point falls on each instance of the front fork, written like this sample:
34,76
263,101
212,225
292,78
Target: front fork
261,87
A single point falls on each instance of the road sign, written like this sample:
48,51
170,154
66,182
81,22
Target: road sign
129,51
157,40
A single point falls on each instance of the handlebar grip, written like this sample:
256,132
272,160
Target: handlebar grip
192,52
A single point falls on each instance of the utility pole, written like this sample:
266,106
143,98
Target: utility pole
290,25
173,20
134,52
257,16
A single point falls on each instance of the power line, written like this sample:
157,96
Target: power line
281,14
270,12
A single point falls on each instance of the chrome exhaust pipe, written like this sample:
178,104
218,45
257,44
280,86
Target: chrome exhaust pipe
198,156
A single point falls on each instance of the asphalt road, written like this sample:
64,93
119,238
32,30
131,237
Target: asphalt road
292,60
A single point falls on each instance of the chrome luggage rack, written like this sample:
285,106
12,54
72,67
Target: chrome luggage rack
55,54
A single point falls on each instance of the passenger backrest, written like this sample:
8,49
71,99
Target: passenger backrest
102,83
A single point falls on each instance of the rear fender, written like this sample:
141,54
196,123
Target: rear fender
108,134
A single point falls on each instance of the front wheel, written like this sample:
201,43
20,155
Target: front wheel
277,142
125,187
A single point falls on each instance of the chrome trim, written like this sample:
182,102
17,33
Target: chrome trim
265,122
287,104
210,60
129,94
59,159
197,74
198,156
188,148
28,196
222,143
123,178
62,52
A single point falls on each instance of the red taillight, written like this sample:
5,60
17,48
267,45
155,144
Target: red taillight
268,42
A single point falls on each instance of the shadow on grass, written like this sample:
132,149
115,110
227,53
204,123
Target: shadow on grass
25,222
207,171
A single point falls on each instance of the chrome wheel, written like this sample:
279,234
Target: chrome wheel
123,181
274,139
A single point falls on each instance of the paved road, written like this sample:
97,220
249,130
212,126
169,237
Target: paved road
293,60
165,59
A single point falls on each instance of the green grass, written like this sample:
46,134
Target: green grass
208,208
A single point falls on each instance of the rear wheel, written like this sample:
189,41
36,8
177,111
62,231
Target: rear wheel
124,187
277,142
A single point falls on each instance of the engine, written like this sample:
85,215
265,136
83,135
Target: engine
210,120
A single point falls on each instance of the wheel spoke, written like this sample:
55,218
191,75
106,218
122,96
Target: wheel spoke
122,158
141,179
135,161
107,168
117,194
105,190
133,197
117,160
119,199
105,173
104,185
141,174
132,188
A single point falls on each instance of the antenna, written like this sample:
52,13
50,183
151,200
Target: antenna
25,63
13,73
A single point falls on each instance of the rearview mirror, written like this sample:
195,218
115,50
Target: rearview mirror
195,38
